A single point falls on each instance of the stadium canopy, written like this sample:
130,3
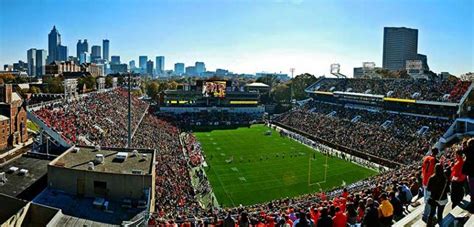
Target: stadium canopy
257,84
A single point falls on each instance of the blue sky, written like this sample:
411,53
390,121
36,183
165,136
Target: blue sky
242,35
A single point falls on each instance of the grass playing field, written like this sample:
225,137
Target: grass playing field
248,167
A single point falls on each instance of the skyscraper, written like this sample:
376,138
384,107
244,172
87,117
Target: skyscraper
78,48
200,68
84,58
179,68
40,62
81,47
149,67
399,45
62,53
132,65
95,53
142,63
54,41
36,62
31,59
105,46
160,64
115,60
191,71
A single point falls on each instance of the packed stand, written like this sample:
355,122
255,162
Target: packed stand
175,194
396,137
429,90
377,201
98,118
193,149
216,118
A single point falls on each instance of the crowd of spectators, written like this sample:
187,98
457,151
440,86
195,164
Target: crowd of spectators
95,119
174,192
214,118
397,137
430,90
376,201
193,149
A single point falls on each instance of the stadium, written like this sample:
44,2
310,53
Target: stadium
344,152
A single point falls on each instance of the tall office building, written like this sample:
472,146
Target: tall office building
105,46
36,62
179,68
191,70
132,64
62,53
424,61
399,45
31,59
149,67
81,47
200,68
78,48
54,41
142,60
115,60
95,53
84,58
40,62
160,64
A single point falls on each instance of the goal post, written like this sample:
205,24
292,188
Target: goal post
325,171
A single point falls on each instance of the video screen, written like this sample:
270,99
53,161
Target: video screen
214,89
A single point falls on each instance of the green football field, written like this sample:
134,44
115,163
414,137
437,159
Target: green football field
247,167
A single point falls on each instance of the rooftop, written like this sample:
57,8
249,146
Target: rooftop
16,182
111,164
80,211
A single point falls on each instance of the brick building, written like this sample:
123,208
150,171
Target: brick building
13,118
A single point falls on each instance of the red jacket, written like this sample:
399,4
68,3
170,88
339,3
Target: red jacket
456,170
427,168
339,220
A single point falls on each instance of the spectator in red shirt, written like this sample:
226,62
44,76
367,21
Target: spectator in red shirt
340,219
427,170
458,180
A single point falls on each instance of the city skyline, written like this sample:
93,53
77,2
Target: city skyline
306,35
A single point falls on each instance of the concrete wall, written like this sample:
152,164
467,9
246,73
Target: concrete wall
39,215
17,218
119,186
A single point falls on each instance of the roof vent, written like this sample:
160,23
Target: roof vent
135,153
97,147
137,171
23,172
76,150
99,159
121,156
3,177
90,166
144,157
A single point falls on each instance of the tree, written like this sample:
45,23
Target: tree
153,89
35,90
137,92
301,82
281,93
89,81
172,85
54,85
108,81
7,77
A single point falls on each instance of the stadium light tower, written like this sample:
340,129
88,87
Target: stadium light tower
292,70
